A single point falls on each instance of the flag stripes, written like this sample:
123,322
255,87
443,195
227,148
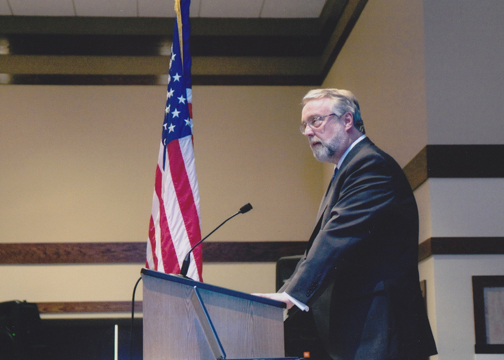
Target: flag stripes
175,218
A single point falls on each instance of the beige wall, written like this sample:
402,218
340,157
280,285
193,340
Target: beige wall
382,63
79,162
77,165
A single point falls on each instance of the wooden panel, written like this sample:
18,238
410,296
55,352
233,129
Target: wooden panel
416,169
72,253
246,328
134,252
424,250
455,161
175,336
465,161
215,251
461,246
87,307
251,251
58,79
467,245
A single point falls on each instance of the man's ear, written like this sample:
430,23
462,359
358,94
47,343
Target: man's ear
348,121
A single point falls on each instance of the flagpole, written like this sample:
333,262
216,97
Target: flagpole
179,23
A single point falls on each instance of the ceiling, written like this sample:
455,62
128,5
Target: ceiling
164,8
233,42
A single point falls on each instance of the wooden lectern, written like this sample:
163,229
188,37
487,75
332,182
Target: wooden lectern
189,320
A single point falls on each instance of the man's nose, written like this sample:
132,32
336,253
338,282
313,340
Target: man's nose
308,131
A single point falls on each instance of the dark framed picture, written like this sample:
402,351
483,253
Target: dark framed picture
488,297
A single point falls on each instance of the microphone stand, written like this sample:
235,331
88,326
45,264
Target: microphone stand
187,259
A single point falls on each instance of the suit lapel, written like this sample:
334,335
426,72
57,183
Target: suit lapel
332,188
322,209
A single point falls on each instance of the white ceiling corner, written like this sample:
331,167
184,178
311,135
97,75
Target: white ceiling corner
163,8
230,8
4,8
112,8
42,8
292,8
155,8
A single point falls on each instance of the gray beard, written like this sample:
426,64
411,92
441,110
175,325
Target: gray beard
325,152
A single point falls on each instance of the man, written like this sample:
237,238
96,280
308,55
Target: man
359,274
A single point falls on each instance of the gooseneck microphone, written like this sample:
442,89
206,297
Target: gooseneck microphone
187,260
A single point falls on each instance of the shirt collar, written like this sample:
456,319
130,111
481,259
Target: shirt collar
359,139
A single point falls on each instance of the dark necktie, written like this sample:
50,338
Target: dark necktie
332,179
335,172
323,204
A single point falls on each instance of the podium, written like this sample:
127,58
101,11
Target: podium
186,319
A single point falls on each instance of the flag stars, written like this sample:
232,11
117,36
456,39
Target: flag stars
171,128
176,77
170,93
175,113
167,109
188,122
181,99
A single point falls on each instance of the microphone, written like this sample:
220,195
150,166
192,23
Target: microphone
187,260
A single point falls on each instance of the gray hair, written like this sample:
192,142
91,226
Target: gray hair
342,101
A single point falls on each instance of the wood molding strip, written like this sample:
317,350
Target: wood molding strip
72,253
465,161
461,246
134,252
80,79
87,307
416,169
429,247
455,161
265,251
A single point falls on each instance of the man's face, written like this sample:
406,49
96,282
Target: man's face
327,141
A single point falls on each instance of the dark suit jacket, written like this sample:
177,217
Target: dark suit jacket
359,274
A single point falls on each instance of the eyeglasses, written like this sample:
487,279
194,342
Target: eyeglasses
315,122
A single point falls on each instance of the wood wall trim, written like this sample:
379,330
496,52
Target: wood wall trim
80,79
134,252
416,169
87,307
455,161
461,246
251,251
213,252
72,253
465,161
265,251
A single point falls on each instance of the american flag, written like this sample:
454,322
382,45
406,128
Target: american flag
175,219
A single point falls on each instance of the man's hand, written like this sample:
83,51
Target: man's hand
278,297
